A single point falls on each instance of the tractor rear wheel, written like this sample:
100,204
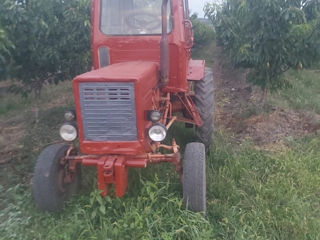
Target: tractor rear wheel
204,101
194,177
52,183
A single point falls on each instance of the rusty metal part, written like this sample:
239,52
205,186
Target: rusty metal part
174,158
190,107
61,182
67,169
167,109
174,147
173,119
68,153
183,101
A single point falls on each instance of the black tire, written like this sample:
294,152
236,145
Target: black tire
194,177
47,192
204,101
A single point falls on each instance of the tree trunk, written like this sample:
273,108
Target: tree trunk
263,99
37,94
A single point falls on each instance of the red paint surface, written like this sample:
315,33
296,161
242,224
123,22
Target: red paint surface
144,75
121,177
196,70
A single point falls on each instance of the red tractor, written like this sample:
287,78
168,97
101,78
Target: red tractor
143,81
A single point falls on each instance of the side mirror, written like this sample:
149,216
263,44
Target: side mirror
188,33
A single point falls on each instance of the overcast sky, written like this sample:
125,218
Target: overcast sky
197,6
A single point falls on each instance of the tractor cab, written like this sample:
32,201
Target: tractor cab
131,30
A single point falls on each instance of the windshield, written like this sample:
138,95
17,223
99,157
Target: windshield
132,17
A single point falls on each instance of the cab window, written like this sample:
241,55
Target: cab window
186,9
132,17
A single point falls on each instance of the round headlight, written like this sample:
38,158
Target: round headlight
155,116
157,133
68,132
69,116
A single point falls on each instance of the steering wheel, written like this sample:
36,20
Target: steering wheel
142,20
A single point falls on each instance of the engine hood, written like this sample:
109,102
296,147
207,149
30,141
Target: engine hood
122,72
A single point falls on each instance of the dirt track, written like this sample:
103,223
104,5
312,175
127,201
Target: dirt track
236,110
11,133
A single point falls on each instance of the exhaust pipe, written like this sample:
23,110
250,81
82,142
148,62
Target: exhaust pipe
164,46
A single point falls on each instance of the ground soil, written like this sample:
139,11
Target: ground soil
4,86
238,111
12,128
11,133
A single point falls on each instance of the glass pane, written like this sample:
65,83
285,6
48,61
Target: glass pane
132,17
185,8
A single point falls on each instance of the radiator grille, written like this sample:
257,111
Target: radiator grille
108,111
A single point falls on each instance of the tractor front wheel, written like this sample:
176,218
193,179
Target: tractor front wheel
53,183
194,177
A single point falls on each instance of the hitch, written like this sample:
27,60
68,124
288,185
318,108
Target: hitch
113,169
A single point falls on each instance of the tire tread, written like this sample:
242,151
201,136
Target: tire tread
204,101
194,177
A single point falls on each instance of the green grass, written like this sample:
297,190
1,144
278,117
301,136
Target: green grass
12,104
316,66
259,195
204,52
252,194
304,93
